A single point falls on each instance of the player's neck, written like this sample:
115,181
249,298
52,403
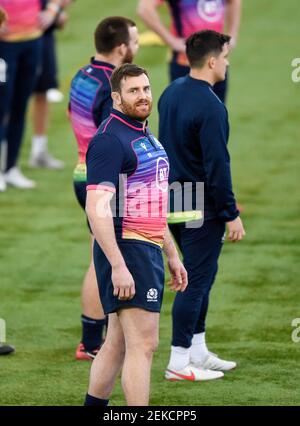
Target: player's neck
202,75
110,59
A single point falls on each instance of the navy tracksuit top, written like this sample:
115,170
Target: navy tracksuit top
194,130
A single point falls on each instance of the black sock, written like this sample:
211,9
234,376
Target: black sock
92,331
92,401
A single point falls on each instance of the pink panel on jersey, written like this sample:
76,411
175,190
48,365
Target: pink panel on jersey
22,20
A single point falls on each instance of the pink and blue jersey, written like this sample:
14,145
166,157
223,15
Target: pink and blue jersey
90,104
189,16
126,159
22,19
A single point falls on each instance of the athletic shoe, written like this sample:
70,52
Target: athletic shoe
2,183
83,354
6,349
46,161
216,364
193,374
15,177
54,96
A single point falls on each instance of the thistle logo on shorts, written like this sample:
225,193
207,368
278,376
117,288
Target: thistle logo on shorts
210,10
152,295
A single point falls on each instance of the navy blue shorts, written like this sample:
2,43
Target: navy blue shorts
47,78
145,263
80,192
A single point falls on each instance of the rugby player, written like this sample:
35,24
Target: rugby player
116,42
128,167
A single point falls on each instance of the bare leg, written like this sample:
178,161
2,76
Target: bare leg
108,362
140,330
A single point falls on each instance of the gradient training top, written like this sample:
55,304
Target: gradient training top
126,159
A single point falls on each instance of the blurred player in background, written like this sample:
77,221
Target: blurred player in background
116,42
194,131
47,80
20,48
189,16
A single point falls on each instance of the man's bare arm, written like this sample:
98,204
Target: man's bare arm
179,275
147,10
232,19
101,221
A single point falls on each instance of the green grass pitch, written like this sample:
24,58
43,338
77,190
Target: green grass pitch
44,240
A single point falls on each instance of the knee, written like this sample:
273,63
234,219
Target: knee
149,346
114,346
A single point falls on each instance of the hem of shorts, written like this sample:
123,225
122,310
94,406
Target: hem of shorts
136,305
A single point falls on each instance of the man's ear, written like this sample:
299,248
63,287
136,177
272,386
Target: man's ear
122,50
211,62
116,97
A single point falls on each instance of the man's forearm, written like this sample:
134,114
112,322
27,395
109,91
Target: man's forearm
149,14
54,6
103,230
169,247
232,18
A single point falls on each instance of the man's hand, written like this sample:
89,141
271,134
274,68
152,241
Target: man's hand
61,20
46,19
124,287
179,278
236,230
177,44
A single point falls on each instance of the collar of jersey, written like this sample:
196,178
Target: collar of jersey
198,81
130,122
102,64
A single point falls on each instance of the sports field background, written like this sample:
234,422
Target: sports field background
44,240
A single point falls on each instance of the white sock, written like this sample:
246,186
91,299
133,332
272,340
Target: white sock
180,358
199,351
38,144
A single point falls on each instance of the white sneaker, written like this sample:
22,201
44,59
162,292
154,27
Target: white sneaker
15,177
54,96
2,183
45,160
214,363
193,374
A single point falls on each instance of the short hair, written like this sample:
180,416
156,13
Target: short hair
112,32
125,70
202,44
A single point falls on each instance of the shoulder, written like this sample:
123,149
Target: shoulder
173,88
104,139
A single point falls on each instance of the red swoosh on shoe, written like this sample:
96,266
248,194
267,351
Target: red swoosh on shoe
191,377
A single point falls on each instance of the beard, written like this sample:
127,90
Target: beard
128,59
133,110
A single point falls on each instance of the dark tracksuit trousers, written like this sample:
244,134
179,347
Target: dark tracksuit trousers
22,64
200,248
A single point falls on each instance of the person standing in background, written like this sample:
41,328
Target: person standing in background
47,80
116,42
189,16
194,130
